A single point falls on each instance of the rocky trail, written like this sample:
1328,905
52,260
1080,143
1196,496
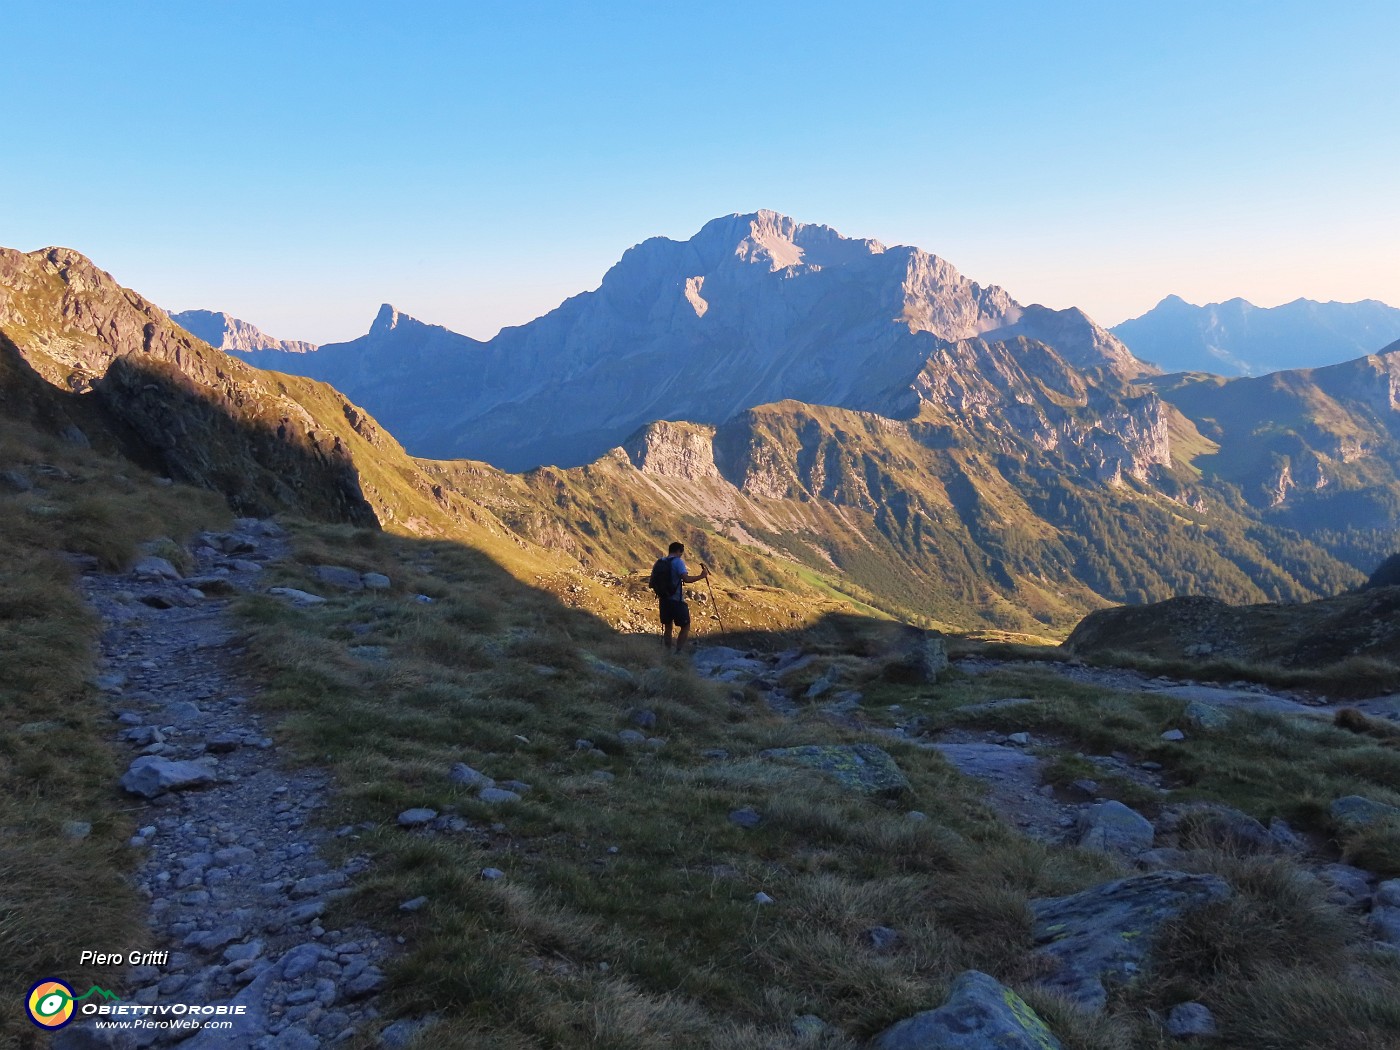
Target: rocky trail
230,836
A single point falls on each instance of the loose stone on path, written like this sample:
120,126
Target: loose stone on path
229,843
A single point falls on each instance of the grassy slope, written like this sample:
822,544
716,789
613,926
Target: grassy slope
626,916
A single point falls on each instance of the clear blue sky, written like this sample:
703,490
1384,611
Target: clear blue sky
474,163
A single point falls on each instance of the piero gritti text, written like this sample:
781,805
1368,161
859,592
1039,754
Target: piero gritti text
133,958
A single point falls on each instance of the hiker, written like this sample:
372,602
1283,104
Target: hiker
668,579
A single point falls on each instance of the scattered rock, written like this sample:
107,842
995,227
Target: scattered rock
980,1013
296,597
339,576
1285,838
861,767
808,1026
1112,827
416,818
631,737
1020,739
1221,826
15,481
1173,735
642,717
152,776
1354,811
920,656
1103,935
223,743
415,904
375,581
401,1033
1085,787
1385,926
466,776
1348,886
1388,894
882,938
746,817
1191,1021
76,829
497,796
762,898
1203,716
492,874
153,568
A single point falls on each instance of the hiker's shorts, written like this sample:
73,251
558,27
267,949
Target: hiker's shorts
674,612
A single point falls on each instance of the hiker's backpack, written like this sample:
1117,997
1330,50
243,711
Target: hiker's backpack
663,577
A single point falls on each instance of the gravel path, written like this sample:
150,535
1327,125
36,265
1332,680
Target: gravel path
232,867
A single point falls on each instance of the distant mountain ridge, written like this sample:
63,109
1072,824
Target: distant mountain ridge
753,309
1000,485
229,334
1238,338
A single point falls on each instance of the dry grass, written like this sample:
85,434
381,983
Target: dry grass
58,894
627,916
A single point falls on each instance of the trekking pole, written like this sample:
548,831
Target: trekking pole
713,602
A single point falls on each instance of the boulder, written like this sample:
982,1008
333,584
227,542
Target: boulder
1112,827
375,581
417,817
1385,926
339,576
1388,894
153,568
497,796
1204,716
1221,826
860,767
1355,811
1348,886
151,776
1104,934
920,656
468,777
1191,1021
980,1013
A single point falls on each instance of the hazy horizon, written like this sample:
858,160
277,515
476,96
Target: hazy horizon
476,167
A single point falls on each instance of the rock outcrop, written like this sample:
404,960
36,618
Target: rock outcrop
981,1014
1103,936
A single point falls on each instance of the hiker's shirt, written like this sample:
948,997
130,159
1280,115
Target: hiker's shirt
678,573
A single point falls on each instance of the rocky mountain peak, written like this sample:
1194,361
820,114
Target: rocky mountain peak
386,320
227,333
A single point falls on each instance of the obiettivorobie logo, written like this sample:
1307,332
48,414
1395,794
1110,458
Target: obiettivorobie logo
51,1001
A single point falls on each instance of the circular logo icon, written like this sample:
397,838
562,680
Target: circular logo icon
50,1004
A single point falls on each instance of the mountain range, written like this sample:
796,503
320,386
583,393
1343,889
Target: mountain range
753,309
1239,338
229,334
991,464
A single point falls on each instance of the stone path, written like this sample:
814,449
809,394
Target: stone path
237,884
